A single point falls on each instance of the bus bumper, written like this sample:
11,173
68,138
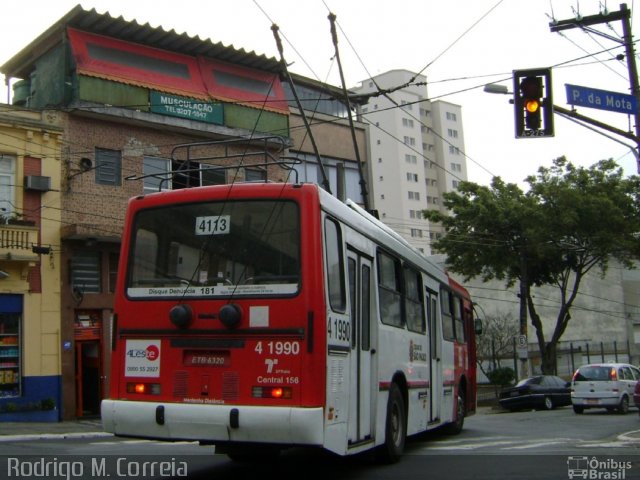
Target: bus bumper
214,423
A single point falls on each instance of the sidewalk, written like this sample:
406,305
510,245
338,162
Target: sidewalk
16,431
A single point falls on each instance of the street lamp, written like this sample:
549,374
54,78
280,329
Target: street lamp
496,88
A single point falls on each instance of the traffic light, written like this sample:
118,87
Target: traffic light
533,103
531,91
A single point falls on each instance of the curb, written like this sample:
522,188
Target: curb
52,436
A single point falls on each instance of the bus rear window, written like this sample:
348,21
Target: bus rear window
240,248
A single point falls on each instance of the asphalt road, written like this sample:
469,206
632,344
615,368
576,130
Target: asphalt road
493,446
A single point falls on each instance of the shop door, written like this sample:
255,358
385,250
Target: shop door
88,378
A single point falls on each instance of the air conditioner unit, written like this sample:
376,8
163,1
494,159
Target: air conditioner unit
37,183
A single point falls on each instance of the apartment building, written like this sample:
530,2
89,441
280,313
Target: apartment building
416,152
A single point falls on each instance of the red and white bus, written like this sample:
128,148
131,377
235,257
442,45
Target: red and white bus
260,316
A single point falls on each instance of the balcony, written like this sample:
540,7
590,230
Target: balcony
16,242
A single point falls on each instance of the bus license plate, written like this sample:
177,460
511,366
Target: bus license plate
200,358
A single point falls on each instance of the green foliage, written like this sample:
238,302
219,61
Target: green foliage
502,376
47,403
571,220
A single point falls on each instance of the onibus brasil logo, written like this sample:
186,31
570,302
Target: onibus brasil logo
594,468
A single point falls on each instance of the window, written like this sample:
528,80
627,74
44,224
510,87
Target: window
416,233
413,300
113,270
458,310
407,106
108,167
11,348
452,133
389,290
455,183
412,177
365,280
410,159
255,175
414,195
178,243
7,182
407,122
335,266
409,141
308,170
456,167
448,332
159,168
452,116
352,273
454,150
211,175
85,272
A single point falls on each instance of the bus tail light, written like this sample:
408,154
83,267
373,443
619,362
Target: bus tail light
271,392
144,388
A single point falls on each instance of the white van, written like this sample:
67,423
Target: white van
604,385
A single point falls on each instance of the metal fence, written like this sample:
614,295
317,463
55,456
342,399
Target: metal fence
569,356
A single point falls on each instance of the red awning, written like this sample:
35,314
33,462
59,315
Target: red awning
233,83
136,64
202,78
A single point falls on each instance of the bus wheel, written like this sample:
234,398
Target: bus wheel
395,432
455,427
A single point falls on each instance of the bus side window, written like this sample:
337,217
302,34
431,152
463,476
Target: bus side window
413,300
389,290
457,315
335,266
448,332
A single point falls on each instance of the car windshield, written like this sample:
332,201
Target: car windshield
215,249
593,373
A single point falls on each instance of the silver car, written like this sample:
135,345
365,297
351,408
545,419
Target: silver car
604,385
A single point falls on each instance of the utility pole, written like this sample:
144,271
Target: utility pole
624,16
523,341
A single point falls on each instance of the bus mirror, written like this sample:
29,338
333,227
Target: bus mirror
477,325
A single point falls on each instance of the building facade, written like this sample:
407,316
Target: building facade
416,152
144,109
30,264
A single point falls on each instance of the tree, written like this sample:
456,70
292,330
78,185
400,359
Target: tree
496,342
571,220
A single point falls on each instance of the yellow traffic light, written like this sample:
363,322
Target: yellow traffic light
532,106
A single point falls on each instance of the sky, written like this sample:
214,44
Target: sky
459,45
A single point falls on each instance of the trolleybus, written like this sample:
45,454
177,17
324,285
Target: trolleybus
261,316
